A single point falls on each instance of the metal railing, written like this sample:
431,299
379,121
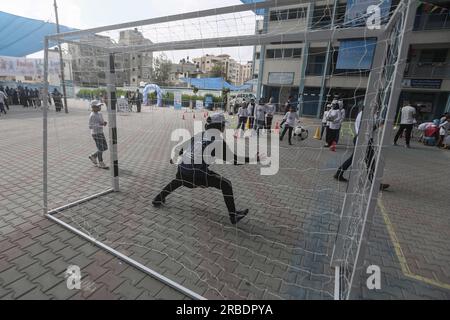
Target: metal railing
440,71
432,21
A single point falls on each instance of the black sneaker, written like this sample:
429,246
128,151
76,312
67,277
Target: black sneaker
340,178
158,202
238,216
384,187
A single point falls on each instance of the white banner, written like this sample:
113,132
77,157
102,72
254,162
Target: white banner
11,67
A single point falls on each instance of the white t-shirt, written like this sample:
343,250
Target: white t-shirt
291,119
242,112
336,116
96,123
260,114
408,115
270,110
444,128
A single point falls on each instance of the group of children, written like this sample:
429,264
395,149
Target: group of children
260,117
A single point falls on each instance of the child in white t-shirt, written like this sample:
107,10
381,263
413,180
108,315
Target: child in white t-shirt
96,124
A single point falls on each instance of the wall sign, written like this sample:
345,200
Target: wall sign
281,78
422,83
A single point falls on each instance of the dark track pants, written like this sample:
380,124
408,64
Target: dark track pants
199,178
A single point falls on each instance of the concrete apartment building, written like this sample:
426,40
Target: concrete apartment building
310,71
235,72
183,69
88,64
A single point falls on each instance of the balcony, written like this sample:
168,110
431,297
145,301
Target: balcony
432,21
429,71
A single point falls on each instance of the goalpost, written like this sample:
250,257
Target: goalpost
353,221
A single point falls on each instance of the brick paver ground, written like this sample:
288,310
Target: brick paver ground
282,250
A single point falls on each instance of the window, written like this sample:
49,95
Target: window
278,53
283,15
297,53
288,14
258,55
288,53
433,56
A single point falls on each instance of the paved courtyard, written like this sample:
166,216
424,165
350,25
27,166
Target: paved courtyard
281,251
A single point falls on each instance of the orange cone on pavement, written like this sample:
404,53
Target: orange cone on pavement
317,135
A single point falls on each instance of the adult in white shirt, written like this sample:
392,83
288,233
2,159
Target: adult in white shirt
406,124
334,125
270,112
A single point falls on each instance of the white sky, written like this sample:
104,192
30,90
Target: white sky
84,14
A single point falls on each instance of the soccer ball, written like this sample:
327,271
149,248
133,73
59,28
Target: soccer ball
301,133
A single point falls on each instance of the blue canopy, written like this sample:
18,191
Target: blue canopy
21,36
212,84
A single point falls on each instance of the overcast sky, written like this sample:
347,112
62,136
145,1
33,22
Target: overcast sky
84,14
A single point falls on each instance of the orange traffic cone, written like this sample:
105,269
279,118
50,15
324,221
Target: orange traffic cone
317,135
333,146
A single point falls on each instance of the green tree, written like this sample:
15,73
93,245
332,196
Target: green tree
219,71
161,70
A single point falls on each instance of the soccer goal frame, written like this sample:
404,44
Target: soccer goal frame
332,34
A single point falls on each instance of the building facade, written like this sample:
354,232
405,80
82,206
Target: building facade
313,72
234,72
89,61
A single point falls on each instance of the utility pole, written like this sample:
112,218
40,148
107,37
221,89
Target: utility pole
61,62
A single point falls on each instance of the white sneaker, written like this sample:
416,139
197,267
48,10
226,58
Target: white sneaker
102,165
93,160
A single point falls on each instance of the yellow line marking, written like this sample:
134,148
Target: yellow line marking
401,257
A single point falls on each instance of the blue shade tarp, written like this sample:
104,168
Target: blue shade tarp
20,36
213,84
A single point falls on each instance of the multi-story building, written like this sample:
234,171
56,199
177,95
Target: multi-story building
246,72
184,69
230,69
314,71
90,60
137,66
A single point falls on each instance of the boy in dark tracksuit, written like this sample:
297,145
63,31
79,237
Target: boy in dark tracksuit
193,171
